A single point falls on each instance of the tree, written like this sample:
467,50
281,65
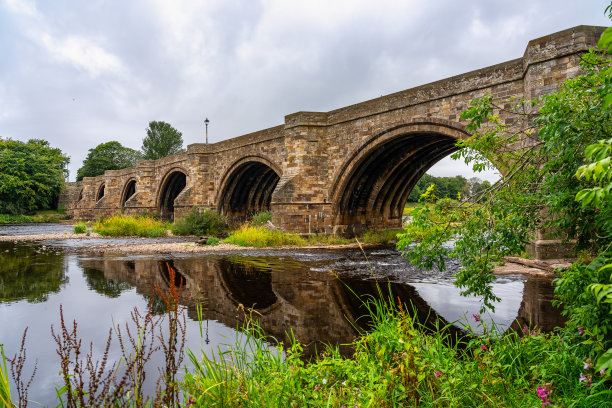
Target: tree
560,181
107,156
32,175
162,140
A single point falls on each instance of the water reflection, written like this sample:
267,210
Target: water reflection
285,294
30,272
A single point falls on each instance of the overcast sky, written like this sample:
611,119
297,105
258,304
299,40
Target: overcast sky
80,73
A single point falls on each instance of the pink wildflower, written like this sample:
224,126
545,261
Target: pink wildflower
438,374
483,348
580,330
544,393
317,388
603,371
476,317
587,365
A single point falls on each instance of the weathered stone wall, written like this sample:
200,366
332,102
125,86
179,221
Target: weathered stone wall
350,168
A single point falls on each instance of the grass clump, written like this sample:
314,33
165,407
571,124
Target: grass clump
127,226
80,228
201,222
324,239
380,236
260,237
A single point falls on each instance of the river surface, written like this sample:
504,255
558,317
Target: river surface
314,293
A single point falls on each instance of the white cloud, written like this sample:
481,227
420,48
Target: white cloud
23,7
83,53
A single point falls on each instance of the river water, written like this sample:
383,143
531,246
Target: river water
314,293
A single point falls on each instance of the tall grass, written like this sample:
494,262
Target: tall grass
5,386
22,219
126,226
262,237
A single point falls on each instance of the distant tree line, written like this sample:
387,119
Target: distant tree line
448,187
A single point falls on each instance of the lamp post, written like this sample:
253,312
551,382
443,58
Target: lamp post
206,122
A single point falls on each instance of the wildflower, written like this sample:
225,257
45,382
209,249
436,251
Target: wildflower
189,403
317,388
476,317
438,374
344,382
483,348
603,371
587,365
324,381
544,394
585,378
525,329
580,330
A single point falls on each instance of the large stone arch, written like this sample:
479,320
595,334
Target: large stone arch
373,184
247,186
173,183
129,189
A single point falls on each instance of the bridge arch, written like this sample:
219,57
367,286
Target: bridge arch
247,186
373,185
128,191
100,192
171,186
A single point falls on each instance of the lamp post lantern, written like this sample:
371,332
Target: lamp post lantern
206,122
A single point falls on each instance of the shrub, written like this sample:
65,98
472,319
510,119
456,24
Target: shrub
80,228
124,226
262,237
212,241
198,222
261,218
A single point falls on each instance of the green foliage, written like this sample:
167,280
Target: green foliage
107,156
199,221
31,175
557,179
261,218
5,387
262,237
212,241
450,187
128,226
80,228
162,140
398,363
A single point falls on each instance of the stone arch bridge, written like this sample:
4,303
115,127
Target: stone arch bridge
339,171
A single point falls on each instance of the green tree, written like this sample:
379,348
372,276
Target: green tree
560,182
107,156
162,140
32,175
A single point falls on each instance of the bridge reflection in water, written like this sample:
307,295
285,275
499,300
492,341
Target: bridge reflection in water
286,293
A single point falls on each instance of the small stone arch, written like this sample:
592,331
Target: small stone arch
128,191
172,185
372,186
247,186
100,192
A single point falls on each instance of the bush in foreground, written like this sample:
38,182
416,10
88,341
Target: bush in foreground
80,228
127,226
201,222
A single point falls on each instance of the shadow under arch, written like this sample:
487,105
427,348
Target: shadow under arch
128,191
247,187
372,187
100,192
173,183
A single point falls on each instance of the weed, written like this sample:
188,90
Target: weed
212,241
261,218
263,237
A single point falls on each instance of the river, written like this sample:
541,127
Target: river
314,293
